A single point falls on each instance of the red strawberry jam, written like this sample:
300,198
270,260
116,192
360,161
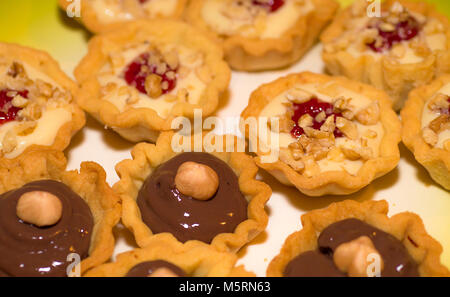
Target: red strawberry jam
271,5
143,1
404,31
8,112
313,107
140,68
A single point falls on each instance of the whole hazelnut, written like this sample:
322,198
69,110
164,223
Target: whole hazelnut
39,208
353,257
162,272
196,180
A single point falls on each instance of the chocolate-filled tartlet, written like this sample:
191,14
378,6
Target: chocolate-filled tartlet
352,239
165,208
323,261
165,256
203,193
31,250
54,222
156,268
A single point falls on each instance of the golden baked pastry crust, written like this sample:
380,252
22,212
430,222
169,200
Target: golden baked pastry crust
395,78
194,257
146,157
254,54
331,182
406,227
138,124
42,61
435,160
89,18
89,182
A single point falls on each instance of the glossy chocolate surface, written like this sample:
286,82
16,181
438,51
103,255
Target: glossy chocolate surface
165,209
397,261
147,268
28,250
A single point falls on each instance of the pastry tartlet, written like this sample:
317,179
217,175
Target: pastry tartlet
407,47
166,257
136,80
262,34
52,217
105,15
334,135
37,108
205,195
426,128
358,239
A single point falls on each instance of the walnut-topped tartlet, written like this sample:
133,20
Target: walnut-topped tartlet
355,239
104,15
426,128
262,34
408,46
37,106
137,79
334,135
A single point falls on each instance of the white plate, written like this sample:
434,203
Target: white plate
407,188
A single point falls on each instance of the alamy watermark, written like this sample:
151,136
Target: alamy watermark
208,135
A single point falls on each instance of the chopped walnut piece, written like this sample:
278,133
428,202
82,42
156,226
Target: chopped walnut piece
347,127
314,133
171,58
286,124
305,121
440,123
19,101
430,136
369,115
329,125
286,157
16,69
153,85
439,102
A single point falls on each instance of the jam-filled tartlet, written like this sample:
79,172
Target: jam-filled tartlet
352,239
426,128
105,15
408,46
325,135
262,34
36,102
51,218
166,257
201,195
136,80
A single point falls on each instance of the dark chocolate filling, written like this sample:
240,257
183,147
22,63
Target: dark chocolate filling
146,268
165,209
28,250
397,261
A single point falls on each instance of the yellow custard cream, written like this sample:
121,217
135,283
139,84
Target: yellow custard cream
276,108
44,133
217,14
